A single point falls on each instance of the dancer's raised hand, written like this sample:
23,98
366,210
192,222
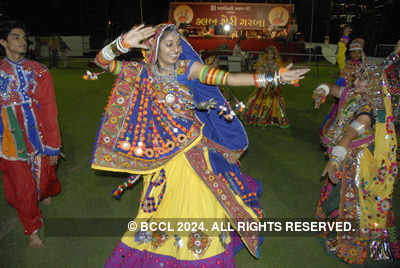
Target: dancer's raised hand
137,35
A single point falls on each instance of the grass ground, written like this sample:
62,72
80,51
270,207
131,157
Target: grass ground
287,161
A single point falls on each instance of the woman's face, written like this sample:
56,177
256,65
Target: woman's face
170,49
355,55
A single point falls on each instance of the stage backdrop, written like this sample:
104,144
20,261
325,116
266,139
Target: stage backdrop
249,16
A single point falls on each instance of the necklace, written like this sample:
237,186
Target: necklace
170,77
169,70
169,85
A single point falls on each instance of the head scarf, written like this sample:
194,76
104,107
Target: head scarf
358,45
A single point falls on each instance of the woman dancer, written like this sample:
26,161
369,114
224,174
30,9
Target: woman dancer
266,105
166,120
361,170
347,76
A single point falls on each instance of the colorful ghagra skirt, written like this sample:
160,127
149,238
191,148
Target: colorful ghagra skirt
266,107
362,197
177,193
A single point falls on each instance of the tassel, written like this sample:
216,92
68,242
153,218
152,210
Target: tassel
117,192
92,76
240,106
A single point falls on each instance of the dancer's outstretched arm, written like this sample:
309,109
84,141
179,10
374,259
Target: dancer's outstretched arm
213,76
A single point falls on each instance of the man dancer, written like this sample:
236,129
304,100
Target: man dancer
29,133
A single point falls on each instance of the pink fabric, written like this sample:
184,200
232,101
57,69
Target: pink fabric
126,257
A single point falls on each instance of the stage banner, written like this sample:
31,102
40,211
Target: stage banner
241,16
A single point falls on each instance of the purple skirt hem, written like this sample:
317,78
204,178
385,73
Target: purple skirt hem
127,257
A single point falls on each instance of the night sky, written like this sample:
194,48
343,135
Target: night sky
74,17
84,17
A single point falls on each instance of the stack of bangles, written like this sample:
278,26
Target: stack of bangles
263,79
112,50
325,88
338,154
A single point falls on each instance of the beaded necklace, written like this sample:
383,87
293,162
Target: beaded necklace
169,85
164,78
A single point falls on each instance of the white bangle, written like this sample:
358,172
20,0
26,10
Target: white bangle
110,50
107,52
325,88
340,152
262,81
277,78
358,127
120,46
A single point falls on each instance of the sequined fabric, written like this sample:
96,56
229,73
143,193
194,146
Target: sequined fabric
363,196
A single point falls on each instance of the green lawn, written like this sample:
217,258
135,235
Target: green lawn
287,161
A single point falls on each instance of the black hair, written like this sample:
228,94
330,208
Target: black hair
7,26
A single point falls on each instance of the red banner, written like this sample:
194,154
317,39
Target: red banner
246,16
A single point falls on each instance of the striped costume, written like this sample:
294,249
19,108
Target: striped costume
29,134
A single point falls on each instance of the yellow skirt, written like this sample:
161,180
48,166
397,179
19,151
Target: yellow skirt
177,193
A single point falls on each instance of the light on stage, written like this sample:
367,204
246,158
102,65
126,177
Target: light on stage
227,28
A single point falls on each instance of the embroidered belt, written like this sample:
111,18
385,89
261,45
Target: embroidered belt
237,213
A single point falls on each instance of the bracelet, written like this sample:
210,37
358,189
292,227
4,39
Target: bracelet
262,79
325,88
255,80
337,163
269,77
100,59
121,46
277,78
339,152
358,127
212,76
112,50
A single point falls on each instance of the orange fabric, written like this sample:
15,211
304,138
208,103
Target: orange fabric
9,147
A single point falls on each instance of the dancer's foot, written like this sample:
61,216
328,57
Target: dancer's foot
34,241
